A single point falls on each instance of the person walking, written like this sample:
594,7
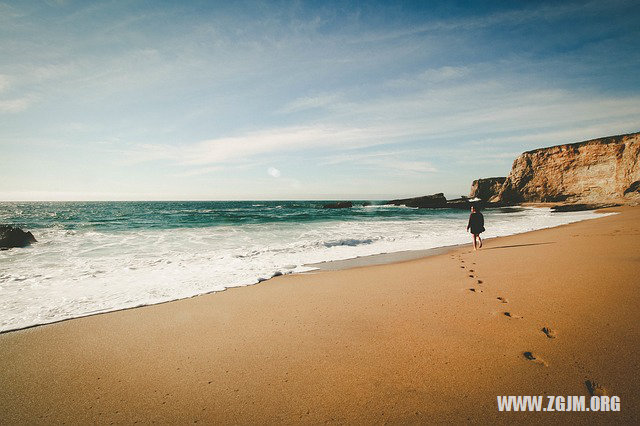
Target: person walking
476,225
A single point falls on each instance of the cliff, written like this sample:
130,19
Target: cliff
594,171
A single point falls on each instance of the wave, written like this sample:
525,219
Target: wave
389,206
352,242
71,273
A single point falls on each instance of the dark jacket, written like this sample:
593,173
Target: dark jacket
476,223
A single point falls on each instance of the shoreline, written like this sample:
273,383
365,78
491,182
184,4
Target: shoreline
409,255
331,265
378,259
404,342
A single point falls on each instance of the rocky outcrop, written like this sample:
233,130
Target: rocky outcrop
461,203
487,189
10,236
338,205
434,201
465,203
605,170
438,201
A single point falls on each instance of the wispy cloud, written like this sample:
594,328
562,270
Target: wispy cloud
311,102
4,82
434,118
430,76
220,150
17,105
399,161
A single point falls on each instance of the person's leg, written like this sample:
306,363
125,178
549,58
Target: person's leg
474,241
480,241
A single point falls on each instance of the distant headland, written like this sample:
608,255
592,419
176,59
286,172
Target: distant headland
582,175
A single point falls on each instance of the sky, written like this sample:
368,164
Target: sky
206,100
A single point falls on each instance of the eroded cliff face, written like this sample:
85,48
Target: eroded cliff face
594,171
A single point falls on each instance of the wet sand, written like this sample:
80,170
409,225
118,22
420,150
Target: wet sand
430,340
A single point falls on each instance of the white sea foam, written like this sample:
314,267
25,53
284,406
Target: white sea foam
74,273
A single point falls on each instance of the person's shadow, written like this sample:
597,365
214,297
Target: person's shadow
519,245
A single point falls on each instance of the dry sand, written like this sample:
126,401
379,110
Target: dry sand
404,343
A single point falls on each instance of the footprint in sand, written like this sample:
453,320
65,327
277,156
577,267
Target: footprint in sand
534,358
510,315
549,332
462,267
480,281
471,270
471,276
475,290
501,299
594,388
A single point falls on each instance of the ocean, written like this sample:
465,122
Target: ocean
96,257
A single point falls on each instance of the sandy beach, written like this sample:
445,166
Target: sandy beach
427,340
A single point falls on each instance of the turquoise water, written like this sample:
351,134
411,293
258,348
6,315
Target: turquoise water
120,216
102,256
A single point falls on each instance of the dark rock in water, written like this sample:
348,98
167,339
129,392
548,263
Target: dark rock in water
10,236
338,205
261,279
580,207
277,274
366,203
435,201
462,203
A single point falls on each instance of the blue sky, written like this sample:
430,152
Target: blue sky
139,100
